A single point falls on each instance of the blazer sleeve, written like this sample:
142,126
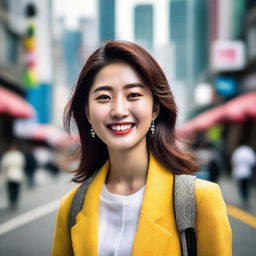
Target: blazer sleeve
62,243
214,235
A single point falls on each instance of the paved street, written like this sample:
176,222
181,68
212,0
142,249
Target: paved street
33,238
244,236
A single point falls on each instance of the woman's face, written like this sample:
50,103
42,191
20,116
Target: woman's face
120,107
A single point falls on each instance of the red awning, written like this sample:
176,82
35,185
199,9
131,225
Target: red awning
237,110
14,105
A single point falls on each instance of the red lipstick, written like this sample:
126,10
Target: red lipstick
118,129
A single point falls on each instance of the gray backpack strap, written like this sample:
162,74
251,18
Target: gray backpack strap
185,211
77,202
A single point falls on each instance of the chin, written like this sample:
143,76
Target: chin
124,145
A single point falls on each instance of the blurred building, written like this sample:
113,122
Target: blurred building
12,91
179,36
106,16
11,50
72,44
40,93
233,64
143,25
225,78
67,47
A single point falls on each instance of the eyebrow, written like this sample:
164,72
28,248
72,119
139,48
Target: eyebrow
127,86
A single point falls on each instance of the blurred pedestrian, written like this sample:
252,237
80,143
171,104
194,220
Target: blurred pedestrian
204,155
30,167
215,163
243,160
12,165
53,167
42,155
126,114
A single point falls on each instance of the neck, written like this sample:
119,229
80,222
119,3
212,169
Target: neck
128,169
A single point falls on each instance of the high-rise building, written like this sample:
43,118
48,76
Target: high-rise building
12,104
143,25
200,39
178,35
71,49
106,19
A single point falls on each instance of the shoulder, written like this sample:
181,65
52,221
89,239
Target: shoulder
202,186
206,190
67,200
212,224
210,203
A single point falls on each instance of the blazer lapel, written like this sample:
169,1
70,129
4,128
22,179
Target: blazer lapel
85,232
156,226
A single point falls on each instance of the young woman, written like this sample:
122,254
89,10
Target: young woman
125,114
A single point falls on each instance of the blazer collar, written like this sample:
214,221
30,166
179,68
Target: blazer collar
153,234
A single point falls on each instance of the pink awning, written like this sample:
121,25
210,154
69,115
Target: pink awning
237,110
14,105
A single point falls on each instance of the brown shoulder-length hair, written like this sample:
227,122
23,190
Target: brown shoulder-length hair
163,144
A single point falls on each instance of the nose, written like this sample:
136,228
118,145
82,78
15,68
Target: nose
119,109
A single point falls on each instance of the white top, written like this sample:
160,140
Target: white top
242,161
12,165
118,218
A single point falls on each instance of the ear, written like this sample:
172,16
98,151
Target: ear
156,110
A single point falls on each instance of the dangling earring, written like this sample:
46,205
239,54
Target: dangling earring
92,132
152,127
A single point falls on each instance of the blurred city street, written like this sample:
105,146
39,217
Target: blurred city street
34,237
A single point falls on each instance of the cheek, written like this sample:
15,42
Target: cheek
143,109
97,112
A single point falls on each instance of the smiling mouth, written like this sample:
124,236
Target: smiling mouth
120,129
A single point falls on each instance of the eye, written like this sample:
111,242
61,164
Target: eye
134,95
103,97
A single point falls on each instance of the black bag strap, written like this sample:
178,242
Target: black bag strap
185,212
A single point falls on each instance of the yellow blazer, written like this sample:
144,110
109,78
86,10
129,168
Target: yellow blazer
156,234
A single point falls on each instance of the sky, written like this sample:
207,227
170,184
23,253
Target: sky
72,10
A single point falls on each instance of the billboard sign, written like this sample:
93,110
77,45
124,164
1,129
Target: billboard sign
228,56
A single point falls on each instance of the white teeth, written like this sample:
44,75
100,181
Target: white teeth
121,127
